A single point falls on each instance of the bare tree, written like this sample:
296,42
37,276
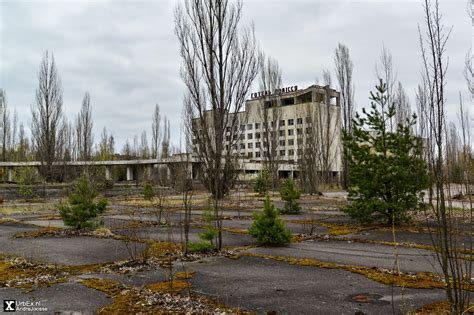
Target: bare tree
23,144
469,72
6,124
47,116
127,150
155,133
84,125
402,105
317,153
144,149
269,112
219,64
456,269
385,70
106,147
344,67
165,145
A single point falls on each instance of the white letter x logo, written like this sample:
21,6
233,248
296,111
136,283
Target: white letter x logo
9,306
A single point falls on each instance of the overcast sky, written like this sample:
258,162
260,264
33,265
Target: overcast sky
125,53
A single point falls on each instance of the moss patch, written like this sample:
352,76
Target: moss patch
162,249
173,287
421,280
110,287
27,276
184,275
439,307
44,231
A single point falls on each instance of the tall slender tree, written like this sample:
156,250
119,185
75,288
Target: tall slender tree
155,133
84,126
220,61
269,113
344,68
47,116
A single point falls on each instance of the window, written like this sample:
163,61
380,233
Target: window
250,155
282,123
242,137
227,129
257,144
282,152
282,133
249,145
299,151
291,152
299,121
291,132
242,154
308,120
257,125
299,131
291,122
257,135
308,130
282,142
299,141
249,127
257,154
249,136
242,146
291,142
242,127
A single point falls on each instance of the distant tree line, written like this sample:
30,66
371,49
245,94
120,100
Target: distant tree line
54,139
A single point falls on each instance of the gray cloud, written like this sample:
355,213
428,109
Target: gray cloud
126,55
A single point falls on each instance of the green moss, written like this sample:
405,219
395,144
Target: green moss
44,231
174,287
421,280
110,287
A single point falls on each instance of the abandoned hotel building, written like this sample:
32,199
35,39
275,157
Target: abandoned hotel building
287,123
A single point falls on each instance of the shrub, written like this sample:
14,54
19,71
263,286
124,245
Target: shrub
200,247
27,177
263,183
210,232
290,194
268,228
148,192
386,169
81,211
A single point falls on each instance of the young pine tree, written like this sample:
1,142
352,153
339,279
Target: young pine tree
268,228
290,194
386,169
81,211
263,183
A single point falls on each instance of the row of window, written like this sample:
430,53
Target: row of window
258,145
281,133
282,153
281,123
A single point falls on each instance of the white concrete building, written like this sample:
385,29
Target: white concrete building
297,120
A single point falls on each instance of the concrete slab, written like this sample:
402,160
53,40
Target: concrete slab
78,250
263,285
46,223
405,237
176,234
65,298
359,254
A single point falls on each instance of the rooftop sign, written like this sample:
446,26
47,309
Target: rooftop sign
275,92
